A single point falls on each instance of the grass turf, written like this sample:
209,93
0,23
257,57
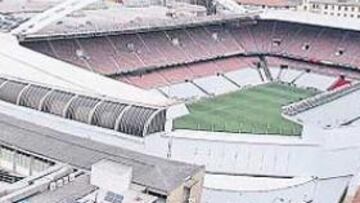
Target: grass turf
253,110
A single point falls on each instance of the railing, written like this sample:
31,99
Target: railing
319,100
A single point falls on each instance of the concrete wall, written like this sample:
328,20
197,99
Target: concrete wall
196,187
312,190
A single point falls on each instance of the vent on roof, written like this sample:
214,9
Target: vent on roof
126,118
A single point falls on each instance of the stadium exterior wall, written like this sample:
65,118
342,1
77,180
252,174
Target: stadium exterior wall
311,190
232,154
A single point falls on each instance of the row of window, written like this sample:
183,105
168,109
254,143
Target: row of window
339,7
342,14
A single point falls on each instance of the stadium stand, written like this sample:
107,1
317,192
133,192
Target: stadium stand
319,100
86,109
169,56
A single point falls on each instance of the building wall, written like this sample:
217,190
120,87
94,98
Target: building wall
339,10
313,190
21,163
195,185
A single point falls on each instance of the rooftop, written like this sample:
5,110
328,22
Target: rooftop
311,19
277,3
156,174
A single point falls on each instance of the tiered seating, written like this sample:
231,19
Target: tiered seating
147,81
70,51
319,100
189,72
206,42
183,40
282,36
232,63
136,45
164,47
178,74
204,69
262,33
224,38
42,47
126,53
302,43
100,55
176,53
326,44
244,37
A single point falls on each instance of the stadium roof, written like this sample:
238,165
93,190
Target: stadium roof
156,174
33,66
22,6
311,19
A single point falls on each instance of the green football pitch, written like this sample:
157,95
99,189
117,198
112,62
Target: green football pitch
254,110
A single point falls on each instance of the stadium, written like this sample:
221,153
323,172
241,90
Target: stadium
267,102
